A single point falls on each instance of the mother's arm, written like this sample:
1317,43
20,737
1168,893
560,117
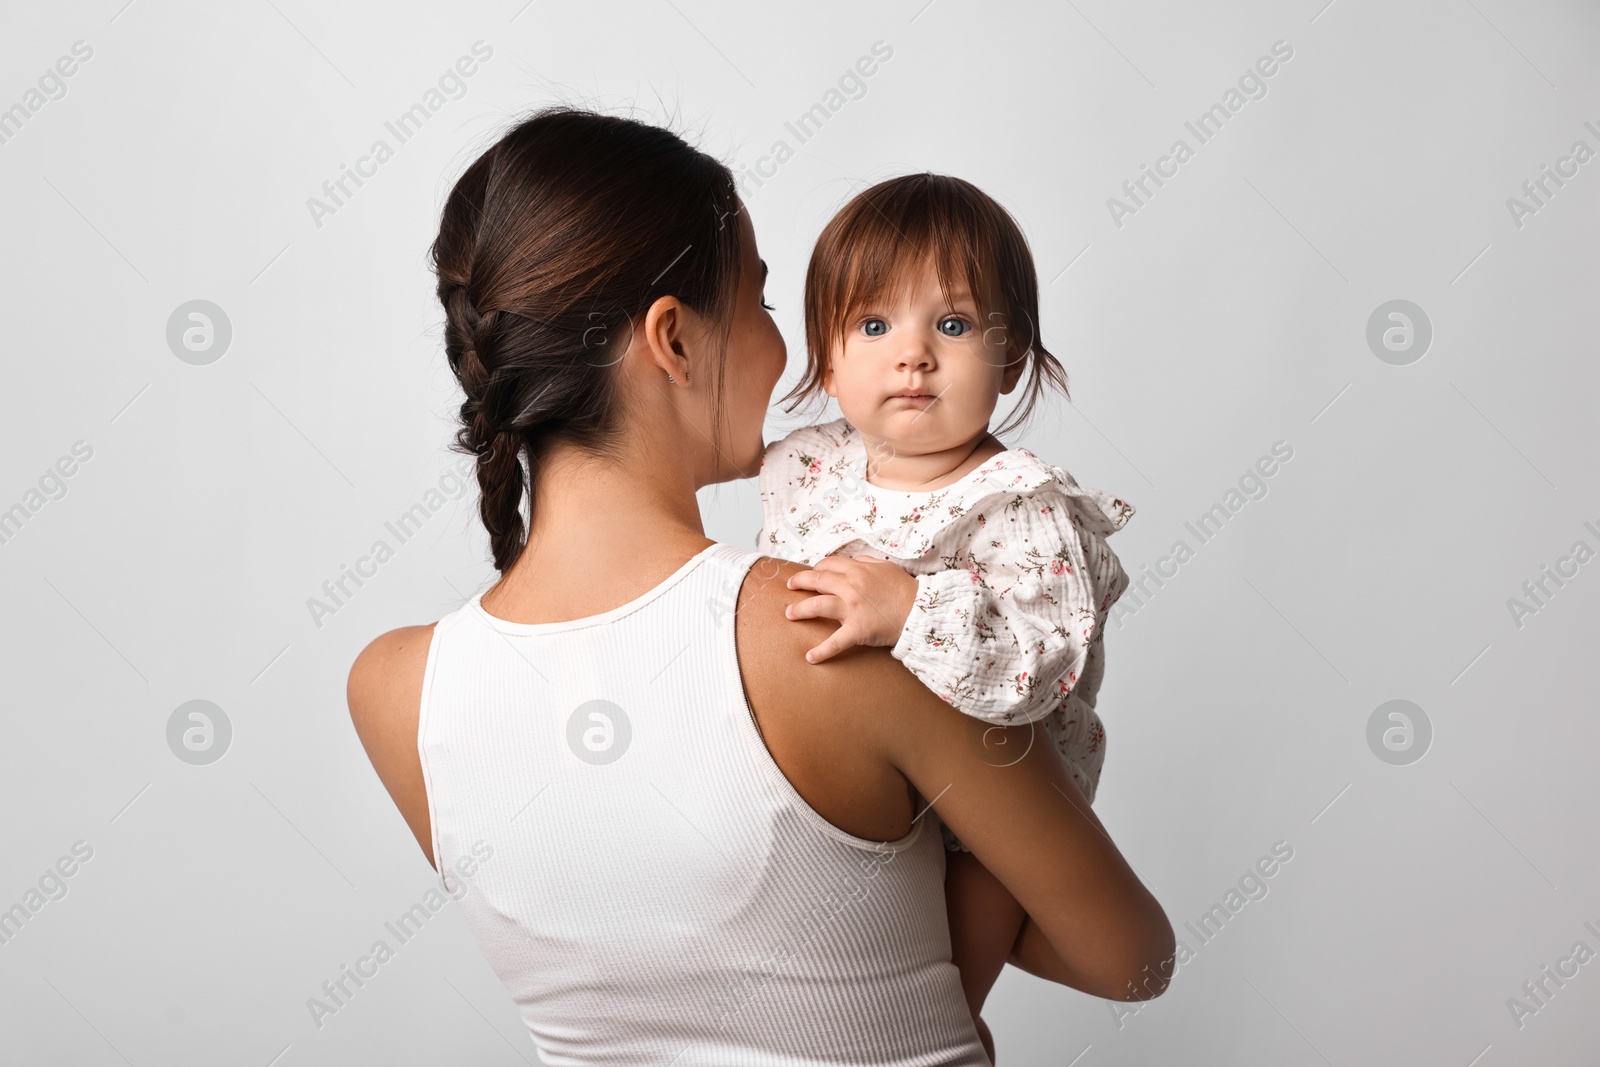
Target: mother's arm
1029,824
1092,924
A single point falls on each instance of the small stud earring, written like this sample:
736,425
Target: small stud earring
670,378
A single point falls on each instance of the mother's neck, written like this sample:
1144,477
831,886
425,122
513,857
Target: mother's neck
604,531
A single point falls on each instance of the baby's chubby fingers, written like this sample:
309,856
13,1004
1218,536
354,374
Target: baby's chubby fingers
835,644
819,579
816,607
825,605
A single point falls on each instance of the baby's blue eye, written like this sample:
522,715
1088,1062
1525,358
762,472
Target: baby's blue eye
954,327
874,327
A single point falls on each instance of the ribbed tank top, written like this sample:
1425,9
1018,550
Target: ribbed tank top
645,881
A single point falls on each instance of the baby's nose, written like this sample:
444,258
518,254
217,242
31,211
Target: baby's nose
916,354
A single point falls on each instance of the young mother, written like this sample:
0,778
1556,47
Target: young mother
675,839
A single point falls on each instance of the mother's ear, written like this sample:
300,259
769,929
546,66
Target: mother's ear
666,334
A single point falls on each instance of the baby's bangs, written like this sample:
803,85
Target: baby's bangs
885,256
879,245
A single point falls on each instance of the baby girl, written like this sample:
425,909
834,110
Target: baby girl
983,567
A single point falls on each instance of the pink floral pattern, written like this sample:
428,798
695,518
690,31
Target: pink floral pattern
1014,579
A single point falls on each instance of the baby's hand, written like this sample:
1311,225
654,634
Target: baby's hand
871,599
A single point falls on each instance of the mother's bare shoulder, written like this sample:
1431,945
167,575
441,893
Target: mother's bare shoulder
772,652
384,693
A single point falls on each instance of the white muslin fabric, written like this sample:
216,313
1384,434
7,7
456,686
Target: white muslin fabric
646,881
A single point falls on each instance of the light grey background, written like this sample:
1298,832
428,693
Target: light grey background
1227,314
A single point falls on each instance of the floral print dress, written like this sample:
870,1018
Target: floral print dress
1014,579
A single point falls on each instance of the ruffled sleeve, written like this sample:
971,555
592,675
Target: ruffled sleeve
1005,634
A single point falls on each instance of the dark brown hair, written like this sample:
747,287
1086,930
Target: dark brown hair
874,249
551,247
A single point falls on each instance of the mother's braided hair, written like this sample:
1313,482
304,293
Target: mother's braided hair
551,245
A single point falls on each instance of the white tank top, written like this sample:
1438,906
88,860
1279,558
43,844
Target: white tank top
643,878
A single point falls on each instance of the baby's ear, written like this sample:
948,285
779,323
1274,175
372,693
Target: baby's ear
827,381
1014,369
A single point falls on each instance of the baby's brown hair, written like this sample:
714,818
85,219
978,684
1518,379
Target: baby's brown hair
875,246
